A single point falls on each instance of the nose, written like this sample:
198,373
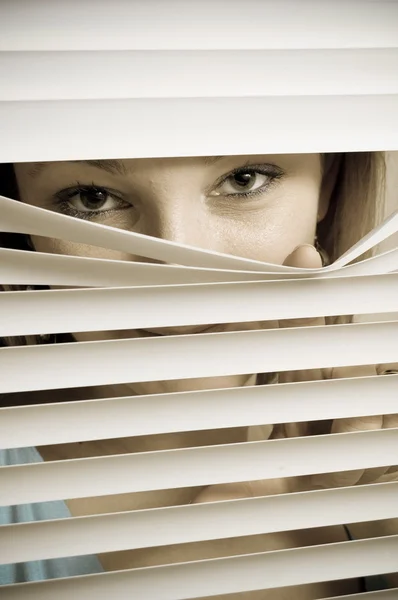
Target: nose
180,221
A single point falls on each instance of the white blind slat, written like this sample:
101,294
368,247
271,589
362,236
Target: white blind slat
196,74
39,268
249,461
172,306
164,127
35,268
18,217
182,581
184,524
176,25
65,422
379,264
164,358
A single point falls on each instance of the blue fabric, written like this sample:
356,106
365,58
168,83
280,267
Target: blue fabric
43,569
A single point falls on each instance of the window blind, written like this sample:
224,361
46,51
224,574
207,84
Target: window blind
76,76
331,66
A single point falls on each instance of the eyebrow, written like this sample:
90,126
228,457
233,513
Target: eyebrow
115,167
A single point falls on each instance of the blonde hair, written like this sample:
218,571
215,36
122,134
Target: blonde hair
357,202
356,206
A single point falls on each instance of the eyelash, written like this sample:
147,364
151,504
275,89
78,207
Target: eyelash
271,171
62,201
62,198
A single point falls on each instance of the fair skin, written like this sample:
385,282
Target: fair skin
259,207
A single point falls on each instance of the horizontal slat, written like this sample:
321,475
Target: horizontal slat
204,24
184,524
164,358
196,74
39,268
268,570
171,306
82,478
379,264
165,127
18,217
65,422
18,267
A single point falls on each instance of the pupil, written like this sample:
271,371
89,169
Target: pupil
243,179
93,198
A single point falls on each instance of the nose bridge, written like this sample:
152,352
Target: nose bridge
176,218
174,222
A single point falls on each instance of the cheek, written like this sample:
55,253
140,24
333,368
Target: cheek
54,246
271,234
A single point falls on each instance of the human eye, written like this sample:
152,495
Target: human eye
247,181
89,201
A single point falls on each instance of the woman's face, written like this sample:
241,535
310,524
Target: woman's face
258,207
